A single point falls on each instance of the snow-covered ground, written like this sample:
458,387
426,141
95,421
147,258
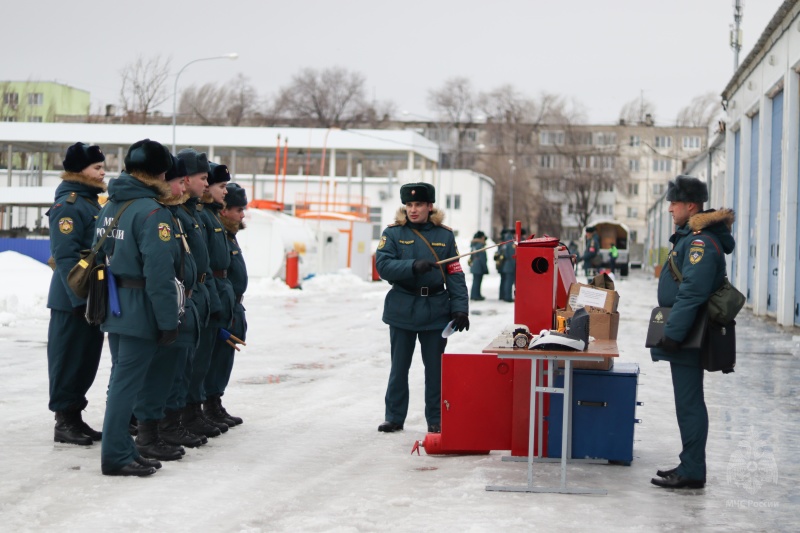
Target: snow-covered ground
310,387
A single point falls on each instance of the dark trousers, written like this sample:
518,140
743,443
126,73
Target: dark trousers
158,383
219,371
690,408
507,287
131,357
475,293
200,364
180,385
73,355
432,346
612,262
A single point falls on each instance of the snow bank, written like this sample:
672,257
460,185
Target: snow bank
23,293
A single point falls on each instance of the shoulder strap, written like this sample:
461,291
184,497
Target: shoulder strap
185,250
111,227
73,196
441,270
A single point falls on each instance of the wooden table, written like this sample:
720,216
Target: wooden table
597,351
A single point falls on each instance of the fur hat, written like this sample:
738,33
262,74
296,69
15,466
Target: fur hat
236,197
148,156
196,162
687,189
479,235
590,229
80,156
178,169
218,173
417,192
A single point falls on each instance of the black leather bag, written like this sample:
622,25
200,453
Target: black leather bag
718,353
658,319
97,297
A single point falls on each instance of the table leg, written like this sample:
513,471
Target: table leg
532,421
566,424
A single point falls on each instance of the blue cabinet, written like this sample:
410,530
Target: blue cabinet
603,414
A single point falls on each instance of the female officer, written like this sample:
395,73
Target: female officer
73,346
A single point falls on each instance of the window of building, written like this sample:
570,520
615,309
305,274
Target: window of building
633,189
11,99
471,135
551,185
605,138
635,140
662,165
582,138
691,142
548,161
34,119
604,186
9,119
606,209
658,189
453,201
633,236
35,98
551,138
571,209
663,141
633,212
633,165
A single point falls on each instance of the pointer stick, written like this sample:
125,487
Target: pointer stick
443,261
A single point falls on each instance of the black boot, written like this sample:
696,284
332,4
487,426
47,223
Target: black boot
195,422
150,444
236,420
172,431
131,469
219,424
148,462
212,409
87,430
68,430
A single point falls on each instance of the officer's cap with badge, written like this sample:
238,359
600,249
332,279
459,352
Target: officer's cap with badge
178,169
687,189
218,173
236,197
148,157
81,155
196,162
417,192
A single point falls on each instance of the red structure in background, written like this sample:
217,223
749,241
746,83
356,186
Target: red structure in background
485,399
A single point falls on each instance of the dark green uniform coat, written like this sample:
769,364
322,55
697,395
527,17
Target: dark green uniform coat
507,266
194,228
73,346
699,249
219,260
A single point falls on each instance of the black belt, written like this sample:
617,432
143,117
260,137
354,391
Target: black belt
201,278
130,283
222,274
422,291
239,298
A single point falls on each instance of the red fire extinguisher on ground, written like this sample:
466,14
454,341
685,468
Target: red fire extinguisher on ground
432,443
292,277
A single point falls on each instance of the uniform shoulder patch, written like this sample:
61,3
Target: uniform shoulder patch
382,243
448,228
696,254
697,242
164,231
72,198
66,225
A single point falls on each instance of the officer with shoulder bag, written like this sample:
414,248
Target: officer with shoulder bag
700,243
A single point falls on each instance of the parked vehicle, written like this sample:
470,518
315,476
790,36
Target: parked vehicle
613,232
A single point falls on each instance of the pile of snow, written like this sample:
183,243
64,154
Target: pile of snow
23,293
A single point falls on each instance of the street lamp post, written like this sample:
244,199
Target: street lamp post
232,57
511,194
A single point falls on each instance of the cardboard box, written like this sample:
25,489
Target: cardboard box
602,325
581,295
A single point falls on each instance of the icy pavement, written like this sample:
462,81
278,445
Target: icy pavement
310,387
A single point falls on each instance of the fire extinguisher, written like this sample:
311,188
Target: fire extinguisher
433,446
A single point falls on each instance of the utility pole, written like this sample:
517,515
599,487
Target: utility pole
736,32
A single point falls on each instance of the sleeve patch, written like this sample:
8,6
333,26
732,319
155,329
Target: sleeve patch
696,255
698,242
66,225
382,243
164,232
454,267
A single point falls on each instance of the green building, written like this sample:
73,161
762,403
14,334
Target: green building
41,101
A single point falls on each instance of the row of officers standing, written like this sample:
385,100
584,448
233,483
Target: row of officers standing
180,279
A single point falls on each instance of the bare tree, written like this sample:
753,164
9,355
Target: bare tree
242,100
144,86
637,110
332,97
205,105
456,103
701,112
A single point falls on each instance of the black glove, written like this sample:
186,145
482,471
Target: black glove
460,321
80,311
167,337
668,344
422,266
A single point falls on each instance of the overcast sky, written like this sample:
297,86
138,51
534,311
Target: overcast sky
602,53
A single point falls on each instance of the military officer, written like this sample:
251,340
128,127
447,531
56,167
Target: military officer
506,265
73,346
423,299
145,262
232,218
